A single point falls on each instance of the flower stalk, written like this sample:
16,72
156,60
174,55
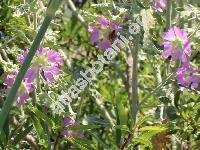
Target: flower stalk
134,51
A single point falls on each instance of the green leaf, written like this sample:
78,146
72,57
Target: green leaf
171,113
43,139
42,116
21,136
86,143
75,142
121,127
121,112
148,134
82,127
153,128
94,135
147,143
118,131
177,98
2,138
142,120
7,129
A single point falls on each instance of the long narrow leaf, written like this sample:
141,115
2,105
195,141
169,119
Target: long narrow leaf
21,136
40,132
42,116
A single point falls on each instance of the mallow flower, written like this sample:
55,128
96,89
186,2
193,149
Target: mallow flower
187,76
102,31
176,45
159,5
24,90
67,122
46,60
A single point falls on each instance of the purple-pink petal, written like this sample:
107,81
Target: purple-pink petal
50,72
180,34
23,56
186,77
167,52
49,76
23,95
67,122
169,35
94,35
114,26
9,80
42,51
103,21
54,57
159,5
31,74
66,133
187,47
22,98
104,44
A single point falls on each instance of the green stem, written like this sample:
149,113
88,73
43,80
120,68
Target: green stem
99,102
38,81
53,6
169,14
75,11
113,4
168,25
134,103
156,89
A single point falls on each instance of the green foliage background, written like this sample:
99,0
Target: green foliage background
102,111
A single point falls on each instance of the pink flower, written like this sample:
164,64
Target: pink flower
159,5
50,55
46,60
186,76
103,28
24,90
176,44
67,122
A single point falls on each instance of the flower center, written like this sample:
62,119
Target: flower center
187,74
41,60
22,88
178,43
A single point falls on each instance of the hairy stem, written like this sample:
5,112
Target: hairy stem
169,14
168,25
74,10
99,102
156,89
129,70
134,102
